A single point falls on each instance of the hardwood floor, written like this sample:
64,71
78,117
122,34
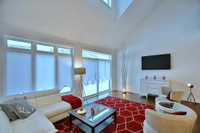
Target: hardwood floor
149,101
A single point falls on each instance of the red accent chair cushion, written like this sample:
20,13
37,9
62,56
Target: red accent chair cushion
168,95
74,101
178,113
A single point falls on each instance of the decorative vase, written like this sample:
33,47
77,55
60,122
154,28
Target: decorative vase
163,77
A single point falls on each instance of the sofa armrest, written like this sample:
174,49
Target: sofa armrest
79,97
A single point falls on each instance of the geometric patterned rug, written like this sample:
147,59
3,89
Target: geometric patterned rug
130,117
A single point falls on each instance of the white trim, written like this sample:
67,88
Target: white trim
37,42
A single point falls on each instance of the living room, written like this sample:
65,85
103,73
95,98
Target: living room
143,28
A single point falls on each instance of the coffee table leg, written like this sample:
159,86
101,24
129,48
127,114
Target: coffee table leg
115,115
70,120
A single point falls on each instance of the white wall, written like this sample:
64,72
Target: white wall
173,27
12,30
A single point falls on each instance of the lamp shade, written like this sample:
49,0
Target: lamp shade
189,85
79,71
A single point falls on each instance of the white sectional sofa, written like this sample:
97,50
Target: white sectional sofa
50,109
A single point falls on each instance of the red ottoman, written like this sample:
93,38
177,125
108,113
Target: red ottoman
74,101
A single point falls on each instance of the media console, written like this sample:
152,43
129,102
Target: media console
152,86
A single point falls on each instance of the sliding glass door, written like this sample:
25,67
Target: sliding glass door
98,72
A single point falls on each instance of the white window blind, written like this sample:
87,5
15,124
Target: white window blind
31,66
45,71
64,73
18,73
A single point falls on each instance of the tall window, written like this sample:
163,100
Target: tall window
98,72
36,66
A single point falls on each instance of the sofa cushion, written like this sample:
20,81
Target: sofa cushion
6,107
35,114
47,100
33,124
5,126
55,109
22,108
46,92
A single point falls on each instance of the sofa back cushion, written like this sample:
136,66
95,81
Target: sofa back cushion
46,92
5,126
47,100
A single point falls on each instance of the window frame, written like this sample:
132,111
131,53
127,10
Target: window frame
33,51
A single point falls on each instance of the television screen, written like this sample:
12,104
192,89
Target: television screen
156,62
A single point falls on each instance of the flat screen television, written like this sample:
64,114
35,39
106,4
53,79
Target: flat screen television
156,62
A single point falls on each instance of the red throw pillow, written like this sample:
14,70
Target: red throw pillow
60,131
168,95
178,113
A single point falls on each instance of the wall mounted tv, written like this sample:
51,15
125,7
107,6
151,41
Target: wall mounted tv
156,62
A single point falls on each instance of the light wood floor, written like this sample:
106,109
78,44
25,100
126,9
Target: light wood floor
149,101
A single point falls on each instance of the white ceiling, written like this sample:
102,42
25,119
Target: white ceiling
75,20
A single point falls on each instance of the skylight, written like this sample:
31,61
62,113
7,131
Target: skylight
113,9
108,2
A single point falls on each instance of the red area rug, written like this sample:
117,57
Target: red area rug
130,117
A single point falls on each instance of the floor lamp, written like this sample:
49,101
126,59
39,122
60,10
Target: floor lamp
80,71
190,96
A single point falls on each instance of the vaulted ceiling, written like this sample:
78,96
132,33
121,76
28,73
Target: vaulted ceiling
75,20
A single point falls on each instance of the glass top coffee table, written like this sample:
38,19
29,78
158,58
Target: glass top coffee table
93,121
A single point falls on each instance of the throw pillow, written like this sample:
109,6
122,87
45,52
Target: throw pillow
9,110
168,95
22,108
178,113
